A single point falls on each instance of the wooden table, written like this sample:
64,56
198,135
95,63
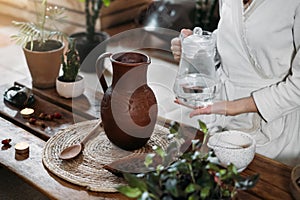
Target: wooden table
274,176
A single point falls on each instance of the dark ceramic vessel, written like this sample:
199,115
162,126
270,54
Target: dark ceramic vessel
84,47
129,107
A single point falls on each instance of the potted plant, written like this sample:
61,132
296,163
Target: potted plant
88,40
70,84
197,174
42,46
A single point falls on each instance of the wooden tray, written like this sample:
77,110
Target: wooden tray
86,105
40,105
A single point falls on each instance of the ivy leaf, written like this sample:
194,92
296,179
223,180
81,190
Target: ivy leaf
248,183
135,182
193,197
145,196
130,192
190,188
149,159
171,186
205,192
174,127
106,2
203,127
159,151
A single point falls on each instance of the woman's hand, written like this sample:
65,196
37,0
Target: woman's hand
236,107
176,43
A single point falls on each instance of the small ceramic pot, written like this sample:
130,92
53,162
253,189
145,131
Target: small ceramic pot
70,89
234,147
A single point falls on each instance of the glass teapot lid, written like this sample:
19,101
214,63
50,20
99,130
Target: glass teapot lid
199,40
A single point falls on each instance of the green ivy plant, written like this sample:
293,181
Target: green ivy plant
195,175
35,33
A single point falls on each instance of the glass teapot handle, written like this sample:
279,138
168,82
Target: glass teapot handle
197,31
100,69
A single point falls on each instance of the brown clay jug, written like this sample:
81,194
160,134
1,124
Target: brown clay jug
129,107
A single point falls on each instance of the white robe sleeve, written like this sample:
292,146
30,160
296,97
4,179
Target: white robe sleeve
284,97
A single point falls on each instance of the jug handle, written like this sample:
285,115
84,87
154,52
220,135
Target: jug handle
100,69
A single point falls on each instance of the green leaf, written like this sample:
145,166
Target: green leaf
159,168
149,159
203,126
159,151
205,192
193,197
247,183
174,127
195,143
171,186
106,2
145,196
134,181
190,188
130,192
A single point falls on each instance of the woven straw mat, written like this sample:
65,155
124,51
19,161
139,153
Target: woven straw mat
87,169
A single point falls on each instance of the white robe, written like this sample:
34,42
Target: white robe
259,52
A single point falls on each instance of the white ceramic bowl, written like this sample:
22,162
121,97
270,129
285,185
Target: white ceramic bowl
234,147
70,89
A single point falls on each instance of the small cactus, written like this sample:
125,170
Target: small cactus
72,63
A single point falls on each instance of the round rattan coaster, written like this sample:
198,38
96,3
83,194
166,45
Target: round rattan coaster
87,169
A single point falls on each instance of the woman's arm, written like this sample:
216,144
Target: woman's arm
284,97
236,107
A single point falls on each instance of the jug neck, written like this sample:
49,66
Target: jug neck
127,78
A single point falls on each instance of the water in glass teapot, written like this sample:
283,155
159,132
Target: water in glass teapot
196,81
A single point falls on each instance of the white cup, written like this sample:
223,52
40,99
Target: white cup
234,147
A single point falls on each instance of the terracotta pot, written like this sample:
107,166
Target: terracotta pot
44,65
128,108
70,89
84,47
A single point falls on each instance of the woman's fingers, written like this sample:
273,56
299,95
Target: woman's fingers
201,111
176,48
215,108
184,104
186,32
176,44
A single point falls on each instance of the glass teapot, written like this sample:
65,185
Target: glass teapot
196,80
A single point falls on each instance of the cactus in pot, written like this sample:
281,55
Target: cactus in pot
70,84
71,65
